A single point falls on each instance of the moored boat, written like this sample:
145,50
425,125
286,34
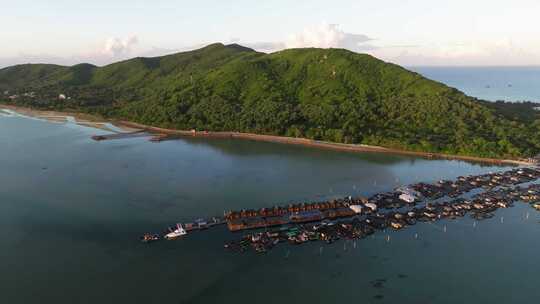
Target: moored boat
147,238
175,233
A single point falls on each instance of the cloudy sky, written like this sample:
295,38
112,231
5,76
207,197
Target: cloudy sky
406,32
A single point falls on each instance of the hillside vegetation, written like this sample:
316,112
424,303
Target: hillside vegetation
326,94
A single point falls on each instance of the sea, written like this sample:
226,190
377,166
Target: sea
72,211
489,83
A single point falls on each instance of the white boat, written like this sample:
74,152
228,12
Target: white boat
178,232
356,208
371,206
407,198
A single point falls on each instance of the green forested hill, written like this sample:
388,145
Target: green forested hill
328,94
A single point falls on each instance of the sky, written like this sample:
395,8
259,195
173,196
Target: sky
406,32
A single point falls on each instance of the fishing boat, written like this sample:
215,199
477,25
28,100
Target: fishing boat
175,233
408,198
147,238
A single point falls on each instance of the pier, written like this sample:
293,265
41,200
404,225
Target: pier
134,134
402,197
113,136
481,207
355,218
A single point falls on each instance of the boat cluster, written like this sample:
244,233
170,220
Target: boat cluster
403,197
181,229
501,192
356,218
407,195
293,213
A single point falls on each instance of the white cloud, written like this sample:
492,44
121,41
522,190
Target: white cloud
156,51
323,35
328,36
503,52
119,47
110,50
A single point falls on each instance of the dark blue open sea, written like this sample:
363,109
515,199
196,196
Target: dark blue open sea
489,83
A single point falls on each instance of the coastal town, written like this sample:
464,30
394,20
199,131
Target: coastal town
355,218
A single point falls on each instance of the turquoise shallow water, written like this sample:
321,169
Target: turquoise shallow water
71,211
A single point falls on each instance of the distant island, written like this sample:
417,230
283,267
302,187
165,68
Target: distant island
332,95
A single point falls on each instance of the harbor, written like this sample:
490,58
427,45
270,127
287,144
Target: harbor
481,207
92,216
478,196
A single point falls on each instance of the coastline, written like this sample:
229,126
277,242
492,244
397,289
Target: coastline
93,121
82,119
318,144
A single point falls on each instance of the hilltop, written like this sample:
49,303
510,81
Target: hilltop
327,94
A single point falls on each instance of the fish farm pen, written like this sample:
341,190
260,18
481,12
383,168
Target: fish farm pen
355,218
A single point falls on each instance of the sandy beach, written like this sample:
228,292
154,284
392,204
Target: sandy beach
82,119
169,134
